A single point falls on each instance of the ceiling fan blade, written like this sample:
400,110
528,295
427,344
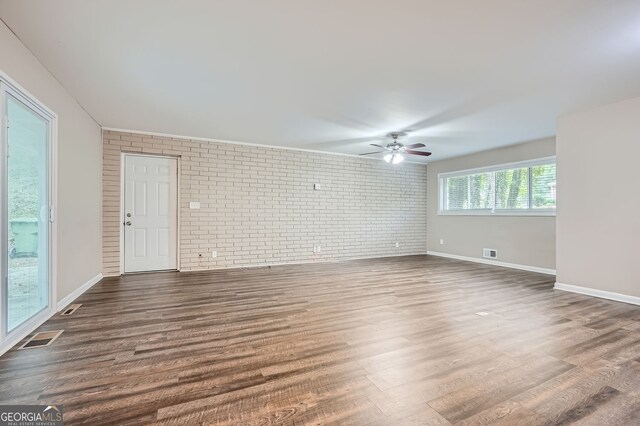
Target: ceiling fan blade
424,154
415,145
375,152
379,146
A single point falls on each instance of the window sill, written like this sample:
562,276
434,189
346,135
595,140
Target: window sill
530,213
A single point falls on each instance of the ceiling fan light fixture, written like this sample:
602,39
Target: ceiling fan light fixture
394,158
397,159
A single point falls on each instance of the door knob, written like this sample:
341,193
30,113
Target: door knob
128,223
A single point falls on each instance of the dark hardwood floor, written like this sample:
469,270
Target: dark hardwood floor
370,342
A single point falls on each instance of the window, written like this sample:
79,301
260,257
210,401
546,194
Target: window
27,147
524,188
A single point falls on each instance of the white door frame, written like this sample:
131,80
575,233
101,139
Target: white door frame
8,340
121,220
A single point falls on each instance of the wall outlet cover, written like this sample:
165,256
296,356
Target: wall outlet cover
194,204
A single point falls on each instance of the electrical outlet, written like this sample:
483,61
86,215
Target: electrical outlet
318,249
194,205
214,254
441,241
397,244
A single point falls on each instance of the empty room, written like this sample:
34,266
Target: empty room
295,212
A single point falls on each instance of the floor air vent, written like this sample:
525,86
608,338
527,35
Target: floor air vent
71,309
41,339
490,253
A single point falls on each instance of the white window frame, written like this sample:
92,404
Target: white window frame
10,339
496,168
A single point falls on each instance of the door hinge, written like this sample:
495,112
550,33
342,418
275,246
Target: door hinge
51,214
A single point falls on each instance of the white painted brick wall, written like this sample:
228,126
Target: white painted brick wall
258,205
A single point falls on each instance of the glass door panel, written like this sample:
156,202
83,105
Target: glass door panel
27,213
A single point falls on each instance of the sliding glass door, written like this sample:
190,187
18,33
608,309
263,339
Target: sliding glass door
25,201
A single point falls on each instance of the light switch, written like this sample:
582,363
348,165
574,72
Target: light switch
194,204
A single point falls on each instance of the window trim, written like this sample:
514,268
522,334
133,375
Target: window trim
495,168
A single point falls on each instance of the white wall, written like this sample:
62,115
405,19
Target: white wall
79,165
259,206
521,240
598,222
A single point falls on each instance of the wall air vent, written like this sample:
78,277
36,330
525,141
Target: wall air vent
71,309
41,339
490,253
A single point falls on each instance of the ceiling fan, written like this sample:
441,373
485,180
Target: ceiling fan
395,149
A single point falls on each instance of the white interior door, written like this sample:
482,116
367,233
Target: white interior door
150,213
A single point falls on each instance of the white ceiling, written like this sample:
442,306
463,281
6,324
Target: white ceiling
335,75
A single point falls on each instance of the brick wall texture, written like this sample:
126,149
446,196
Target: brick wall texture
259,206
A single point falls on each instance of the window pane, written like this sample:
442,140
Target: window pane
27,183
512,189
543,186
480,191
524,188
457,193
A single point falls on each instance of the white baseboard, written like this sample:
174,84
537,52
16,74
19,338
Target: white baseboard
77,292
496,263
315,261
618,297
301,262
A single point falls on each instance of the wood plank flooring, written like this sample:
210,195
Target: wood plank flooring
390,341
